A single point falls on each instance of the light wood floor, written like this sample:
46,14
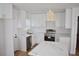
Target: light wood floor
20,53
23,53
77,52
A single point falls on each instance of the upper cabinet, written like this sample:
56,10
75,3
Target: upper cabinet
5,10
1,10
68,18
38,20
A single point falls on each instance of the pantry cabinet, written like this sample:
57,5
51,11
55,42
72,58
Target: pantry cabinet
68,18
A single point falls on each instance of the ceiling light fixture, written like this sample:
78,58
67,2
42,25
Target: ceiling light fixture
50,15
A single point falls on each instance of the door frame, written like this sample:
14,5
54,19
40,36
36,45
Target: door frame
77,29
75,14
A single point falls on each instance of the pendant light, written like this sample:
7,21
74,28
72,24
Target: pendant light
50,15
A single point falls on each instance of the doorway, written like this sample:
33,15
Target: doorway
77,44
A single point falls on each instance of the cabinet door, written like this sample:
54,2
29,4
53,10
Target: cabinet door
38,20
65,41
6,11
68,16
1,10
29,43
38,27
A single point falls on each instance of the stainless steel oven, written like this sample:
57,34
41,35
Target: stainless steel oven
50,35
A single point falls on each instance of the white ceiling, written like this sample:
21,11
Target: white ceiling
44,7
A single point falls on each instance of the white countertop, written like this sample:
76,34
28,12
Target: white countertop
64,35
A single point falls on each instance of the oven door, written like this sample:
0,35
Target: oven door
49,38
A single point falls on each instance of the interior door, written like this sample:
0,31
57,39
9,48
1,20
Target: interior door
2,41
9,37
77,46
6,12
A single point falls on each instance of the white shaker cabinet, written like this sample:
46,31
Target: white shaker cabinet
68,18
65,41
1,10
6,11
1,13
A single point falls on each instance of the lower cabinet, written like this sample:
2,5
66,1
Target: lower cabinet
66,42
29,43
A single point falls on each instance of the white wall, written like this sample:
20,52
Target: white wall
2,38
